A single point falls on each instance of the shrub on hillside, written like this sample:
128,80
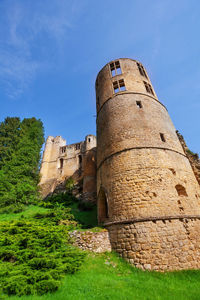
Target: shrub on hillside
34,256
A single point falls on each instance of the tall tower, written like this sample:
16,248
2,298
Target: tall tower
148,196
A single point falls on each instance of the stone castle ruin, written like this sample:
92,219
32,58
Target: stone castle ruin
61,161
147,185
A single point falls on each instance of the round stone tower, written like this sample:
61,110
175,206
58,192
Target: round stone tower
148,196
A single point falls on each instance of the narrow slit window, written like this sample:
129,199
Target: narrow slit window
139,104
115,68
61,163
148,88
142,70
162,137
103,210
80,160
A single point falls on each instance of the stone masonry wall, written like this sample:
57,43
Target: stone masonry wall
159,245
143,183
92,241
61,161
148,195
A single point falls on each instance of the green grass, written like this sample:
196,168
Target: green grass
88,218
106,276
29,212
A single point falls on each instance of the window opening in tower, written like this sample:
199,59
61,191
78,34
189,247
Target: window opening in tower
162,137
148,88
119,86
139,104
115,68
142,70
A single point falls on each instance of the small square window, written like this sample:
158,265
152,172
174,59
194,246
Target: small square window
139,104
162,137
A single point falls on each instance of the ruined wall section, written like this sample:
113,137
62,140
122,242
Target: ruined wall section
61,161
193,157
50,162
143,174
98,242
89,170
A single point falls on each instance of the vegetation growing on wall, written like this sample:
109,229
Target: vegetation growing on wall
20,145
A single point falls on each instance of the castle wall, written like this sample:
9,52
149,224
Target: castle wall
163,245
142,183
50,163
61,161
89,169
145,183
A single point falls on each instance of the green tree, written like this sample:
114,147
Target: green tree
9,137
19,174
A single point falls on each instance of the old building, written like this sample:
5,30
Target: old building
61,161
148,191
148,195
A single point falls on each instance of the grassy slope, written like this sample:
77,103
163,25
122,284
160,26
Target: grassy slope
106,276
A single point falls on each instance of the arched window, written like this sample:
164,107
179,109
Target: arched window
103,212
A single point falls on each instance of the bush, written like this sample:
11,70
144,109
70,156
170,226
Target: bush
34,255
46,286
69,185
59,200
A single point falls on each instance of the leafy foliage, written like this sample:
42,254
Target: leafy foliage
58,200
195,155
84,213
9,137
20,144
69,184
35,254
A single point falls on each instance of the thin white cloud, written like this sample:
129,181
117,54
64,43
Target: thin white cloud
26,22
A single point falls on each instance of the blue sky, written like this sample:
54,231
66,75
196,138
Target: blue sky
52,50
